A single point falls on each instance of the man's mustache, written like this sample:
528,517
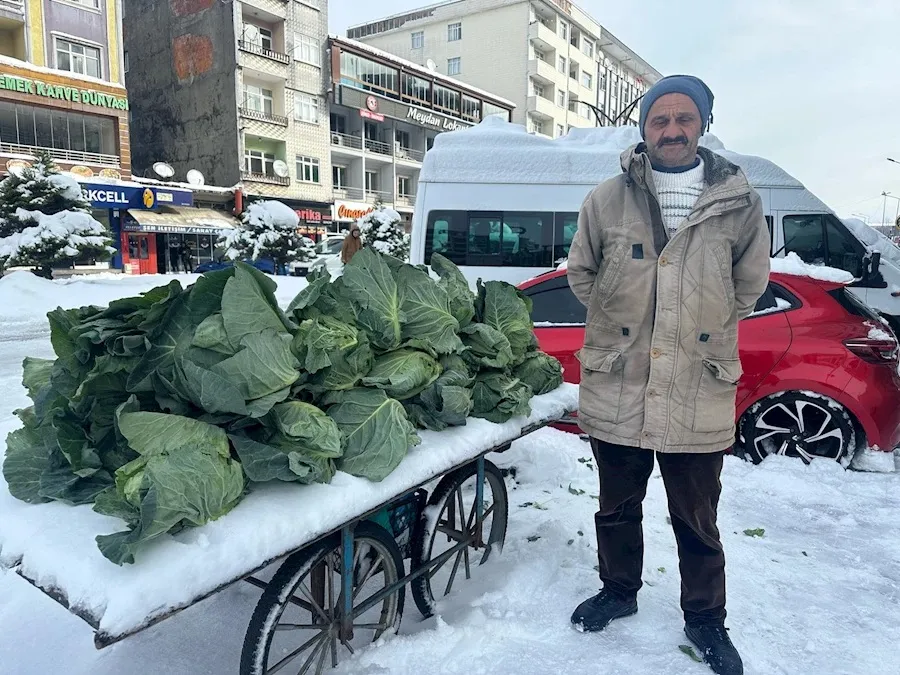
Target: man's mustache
677,140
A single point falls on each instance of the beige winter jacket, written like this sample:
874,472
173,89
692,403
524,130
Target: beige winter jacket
660,365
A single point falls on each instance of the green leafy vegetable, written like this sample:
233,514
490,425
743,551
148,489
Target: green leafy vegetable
403,374
460,296
369,282
687,649
498,397
540,371
505,309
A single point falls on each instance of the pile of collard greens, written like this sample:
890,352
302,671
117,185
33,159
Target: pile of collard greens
165,409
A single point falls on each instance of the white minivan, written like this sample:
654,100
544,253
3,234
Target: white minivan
503,204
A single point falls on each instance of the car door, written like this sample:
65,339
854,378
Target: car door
764,338
558,323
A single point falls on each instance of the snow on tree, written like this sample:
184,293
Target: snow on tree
51,238
268,229
40,187
45,220
382,229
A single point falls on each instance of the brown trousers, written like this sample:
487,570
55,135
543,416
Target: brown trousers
693,488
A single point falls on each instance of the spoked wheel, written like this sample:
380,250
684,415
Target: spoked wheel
449,521
797,425
297,628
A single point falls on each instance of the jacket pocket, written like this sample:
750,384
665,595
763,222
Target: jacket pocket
602,379
714,406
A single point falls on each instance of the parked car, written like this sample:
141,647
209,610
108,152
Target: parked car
330,246
820,368
263,264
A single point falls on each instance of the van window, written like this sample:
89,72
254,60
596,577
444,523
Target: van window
819,240
770,221
554,302
500,238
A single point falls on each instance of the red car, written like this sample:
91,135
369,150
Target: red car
820,369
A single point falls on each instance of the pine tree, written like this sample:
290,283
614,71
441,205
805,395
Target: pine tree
382,229
44,219
268,230
39,187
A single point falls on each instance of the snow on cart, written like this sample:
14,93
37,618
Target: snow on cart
229,435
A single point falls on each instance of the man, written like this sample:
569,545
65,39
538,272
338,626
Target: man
669,256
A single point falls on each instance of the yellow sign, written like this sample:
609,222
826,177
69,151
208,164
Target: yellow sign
148,198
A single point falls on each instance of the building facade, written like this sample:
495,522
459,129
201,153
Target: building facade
385,113
570,72
235,91
61,86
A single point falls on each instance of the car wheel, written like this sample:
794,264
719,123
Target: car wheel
797,424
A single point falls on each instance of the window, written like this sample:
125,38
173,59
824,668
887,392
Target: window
77,58
446,98
418,39
307,49
339,176
562,30
561,65
537,126
93,4
338,123
307,169
554,302
368,75
454,32
584,110
510,238
491,110
471,108
819,240
372,181
125,61
416,88
454,65
587,47
401,137
306,108
258,99
537,89
257,35
403,183
561,98
28,125
587,80
258,161
560,130
565,226
573,70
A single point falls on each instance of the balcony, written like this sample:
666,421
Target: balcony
346,141
71,156
405,200
373,196
543,37
13,10
259,50
261,116
379,148
544,72
349,193
408,154
542,108
253,177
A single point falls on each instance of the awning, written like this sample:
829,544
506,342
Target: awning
181,220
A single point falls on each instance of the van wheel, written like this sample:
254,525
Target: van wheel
797,424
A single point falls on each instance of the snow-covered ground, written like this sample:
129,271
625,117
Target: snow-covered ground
818,593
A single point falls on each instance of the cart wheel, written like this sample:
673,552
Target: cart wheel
441,528
297,622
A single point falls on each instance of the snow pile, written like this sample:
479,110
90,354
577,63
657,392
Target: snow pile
53,544
61,235
877,332
874,240
67,185
268,230
793,265
382,229
498,152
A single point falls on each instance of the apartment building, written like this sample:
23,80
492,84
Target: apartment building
236,91
559,66
385,113
61,86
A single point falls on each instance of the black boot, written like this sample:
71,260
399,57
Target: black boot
594,614
715,648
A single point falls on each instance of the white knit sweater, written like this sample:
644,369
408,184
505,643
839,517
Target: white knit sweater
678,192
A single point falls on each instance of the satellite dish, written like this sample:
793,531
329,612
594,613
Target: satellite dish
163,170
281,169
430,64
195,178
251,32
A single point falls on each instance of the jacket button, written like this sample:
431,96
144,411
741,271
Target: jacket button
663,261
655,353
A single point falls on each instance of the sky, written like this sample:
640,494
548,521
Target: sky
813,85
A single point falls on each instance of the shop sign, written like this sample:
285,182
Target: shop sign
351,210
313,215
132,226
428,119
102,196
23,85
378,117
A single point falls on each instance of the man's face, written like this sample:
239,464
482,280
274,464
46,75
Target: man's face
672,131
